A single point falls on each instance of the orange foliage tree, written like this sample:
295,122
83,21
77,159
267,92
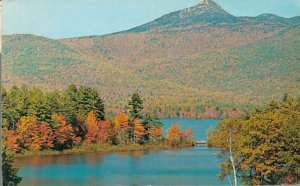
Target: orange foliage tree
139,131
106,132
156,133
176,136
173,134
187,136
91,124
64,136
12,140
122,127
27,128
79,127
29,135
45,136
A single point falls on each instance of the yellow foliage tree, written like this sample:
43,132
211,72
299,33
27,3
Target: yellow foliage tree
27,128
173,134
139,130
91,124
156,133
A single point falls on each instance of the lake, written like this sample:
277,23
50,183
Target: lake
192,166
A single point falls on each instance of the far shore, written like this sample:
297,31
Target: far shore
101,148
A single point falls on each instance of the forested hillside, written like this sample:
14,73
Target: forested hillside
196,62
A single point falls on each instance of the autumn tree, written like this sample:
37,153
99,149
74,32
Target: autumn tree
173,135
91,124
270,143
79,126
263,146
122,127
139,131
45,134
187,136
227,137
177,137
12,140
156,134
27,128
149,122
106,132
64,136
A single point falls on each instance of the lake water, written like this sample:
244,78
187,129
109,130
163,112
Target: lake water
192,166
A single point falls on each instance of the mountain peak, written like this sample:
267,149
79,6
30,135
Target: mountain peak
207,2
207,12
209,5
204,11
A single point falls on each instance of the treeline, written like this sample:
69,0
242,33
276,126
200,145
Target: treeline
34,120
23,101
261,147
182,107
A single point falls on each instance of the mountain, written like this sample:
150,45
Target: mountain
209,15
192,59
204,14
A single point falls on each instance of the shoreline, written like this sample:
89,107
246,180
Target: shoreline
100,148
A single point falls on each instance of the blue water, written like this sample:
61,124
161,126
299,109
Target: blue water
192,166
198,126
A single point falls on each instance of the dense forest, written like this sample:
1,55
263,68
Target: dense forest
34,120
37,121
261,147
199,62
258,147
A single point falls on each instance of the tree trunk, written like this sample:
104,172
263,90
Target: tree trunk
231,157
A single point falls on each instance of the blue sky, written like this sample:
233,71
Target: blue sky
73,18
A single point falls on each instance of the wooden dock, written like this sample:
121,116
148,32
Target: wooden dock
201,143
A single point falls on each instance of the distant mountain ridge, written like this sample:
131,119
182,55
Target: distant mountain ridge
207,13
178,60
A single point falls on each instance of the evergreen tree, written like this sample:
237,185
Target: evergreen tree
69,103
89,100
135,112
136,106
150,122
9,173
38,105
15,104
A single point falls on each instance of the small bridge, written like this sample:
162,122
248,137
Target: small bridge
201,143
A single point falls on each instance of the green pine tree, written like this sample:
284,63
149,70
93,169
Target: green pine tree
136,106
9,172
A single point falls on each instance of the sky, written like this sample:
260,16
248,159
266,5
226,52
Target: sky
74,18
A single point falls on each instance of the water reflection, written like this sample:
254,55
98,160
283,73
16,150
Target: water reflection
194,166
45,160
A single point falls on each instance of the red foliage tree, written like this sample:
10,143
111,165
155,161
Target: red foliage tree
45,136
176,136
79,127
64,136
106,132
12,140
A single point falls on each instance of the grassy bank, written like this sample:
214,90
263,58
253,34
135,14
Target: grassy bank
105,148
